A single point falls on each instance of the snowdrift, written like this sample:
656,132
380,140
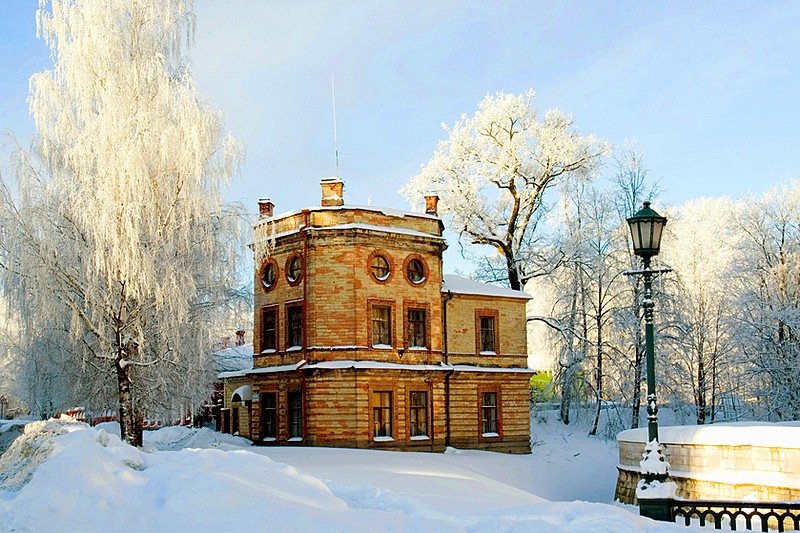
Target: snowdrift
66,476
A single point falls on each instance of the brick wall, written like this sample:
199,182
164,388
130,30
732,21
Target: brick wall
462,342
514,411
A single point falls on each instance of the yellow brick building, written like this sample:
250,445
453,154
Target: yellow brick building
361,341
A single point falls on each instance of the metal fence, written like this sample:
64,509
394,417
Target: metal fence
765,516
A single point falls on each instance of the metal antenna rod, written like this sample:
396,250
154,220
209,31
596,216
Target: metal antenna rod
335,141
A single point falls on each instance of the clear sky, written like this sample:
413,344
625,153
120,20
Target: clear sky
708,90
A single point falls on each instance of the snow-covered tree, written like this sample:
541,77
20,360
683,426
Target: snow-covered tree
588,311
700,244
492,171
768,285
117,218
631,187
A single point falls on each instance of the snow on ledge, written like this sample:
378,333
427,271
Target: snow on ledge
383,439
372,365
766,434
379,229
471,368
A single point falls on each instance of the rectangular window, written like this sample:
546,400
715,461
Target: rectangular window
295,415
487,334
417,337
269,416
269,330
418,414
381,325
382,414
489,414
295,325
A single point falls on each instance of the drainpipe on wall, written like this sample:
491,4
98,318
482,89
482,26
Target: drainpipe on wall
429,381
449,372
299,370
303,389
304,234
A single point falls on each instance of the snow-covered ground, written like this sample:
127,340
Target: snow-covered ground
69,477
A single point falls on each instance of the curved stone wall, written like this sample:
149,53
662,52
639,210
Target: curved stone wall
742,461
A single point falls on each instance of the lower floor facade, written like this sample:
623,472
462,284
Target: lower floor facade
359,405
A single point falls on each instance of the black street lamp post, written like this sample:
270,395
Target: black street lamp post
646,229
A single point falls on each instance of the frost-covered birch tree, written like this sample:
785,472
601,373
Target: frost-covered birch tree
117,218
493,170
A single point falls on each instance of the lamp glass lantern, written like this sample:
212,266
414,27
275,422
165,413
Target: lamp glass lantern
646,229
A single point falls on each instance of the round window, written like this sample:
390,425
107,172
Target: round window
268,275
415,271
295,269
380,268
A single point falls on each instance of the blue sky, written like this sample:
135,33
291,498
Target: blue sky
708,90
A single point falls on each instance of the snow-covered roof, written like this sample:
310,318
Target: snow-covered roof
244,392
462,285
388,211
261,370
234,358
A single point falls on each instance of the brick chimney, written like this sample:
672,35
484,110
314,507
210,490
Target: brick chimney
332,189
265,207
432,204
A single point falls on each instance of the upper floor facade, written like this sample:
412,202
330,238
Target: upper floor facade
337,282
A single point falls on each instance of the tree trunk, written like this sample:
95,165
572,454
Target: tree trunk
701,391
639,353
598,370
130,425
513,276
566,395
638,364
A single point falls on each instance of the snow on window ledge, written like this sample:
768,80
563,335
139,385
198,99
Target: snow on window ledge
489,352
268,439
294,349
295,439
491,434
383,439
268,351
419,437
382,346
417,348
